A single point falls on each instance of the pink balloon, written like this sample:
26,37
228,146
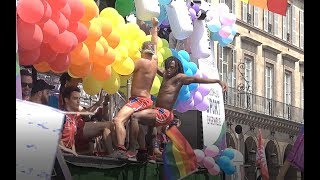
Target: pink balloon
57,4
199,155
28,57
66,11
63,43
30,11
208,162
30,36
192,13
197,97
225,31
80,30
77,10
61,63
228,19
50,31
211,151
46,53
47,12
61,21
215,170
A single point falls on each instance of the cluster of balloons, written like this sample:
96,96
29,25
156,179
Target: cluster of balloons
45,36
194,9
221,24
215,161
191,96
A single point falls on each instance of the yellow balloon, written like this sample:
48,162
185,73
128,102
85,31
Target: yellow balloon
167,53
155,86
109,13
94,32
104,43
160,59
125,67
91,10
165,43
123,31
136,56
112,85
122,51
123,79
160,78
133,48
91,86
148,38
159,44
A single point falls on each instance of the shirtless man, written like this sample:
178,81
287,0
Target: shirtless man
162,114
143,75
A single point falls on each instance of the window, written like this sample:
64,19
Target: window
287,94
287,25
268,21
301,38
227,65
248,74
293,30
268,88
275,24
302,92
250,14
230,4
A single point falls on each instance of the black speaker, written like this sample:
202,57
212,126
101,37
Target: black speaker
191,127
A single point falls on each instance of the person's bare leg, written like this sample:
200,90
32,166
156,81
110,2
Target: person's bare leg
141,138
121,118
94,129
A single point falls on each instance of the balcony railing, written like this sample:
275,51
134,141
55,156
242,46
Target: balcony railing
259,104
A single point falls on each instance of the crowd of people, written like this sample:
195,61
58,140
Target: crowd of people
147,122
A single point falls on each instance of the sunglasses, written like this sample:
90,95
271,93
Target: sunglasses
26,84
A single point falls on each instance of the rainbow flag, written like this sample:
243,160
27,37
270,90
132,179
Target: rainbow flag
179,159
276,6
296,155
261,158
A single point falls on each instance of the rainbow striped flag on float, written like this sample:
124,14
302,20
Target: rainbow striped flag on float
276,6
179,159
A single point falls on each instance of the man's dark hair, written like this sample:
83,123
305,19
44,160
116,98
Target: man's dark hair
177,62
68,90
63,80
25,72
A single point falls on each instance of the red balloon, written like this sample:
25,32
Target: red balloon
47,53
47,12
30,11
28,57
61,21
80,30
50,31
30,36
66,11
61,63
63,43
57,4
75,41
77,10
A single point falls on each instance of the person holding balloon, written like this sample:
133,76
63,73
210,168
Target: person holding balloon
162,114
143,75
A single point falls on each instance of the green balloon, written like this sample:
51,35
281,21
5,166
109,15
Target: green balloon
124,7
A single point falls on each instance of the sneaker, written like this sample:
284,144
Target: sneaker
119,154
152,158
131,154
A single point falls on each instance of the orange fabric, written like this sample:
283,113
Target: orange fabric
163,117
139,103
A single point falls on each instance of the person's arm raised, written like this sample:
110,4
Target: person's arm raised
154,33
186,80
160,72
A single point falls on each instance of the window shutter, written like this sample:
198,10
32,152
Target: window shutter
301,29
256,16
293,25
265,20
276,26
244,11
284,28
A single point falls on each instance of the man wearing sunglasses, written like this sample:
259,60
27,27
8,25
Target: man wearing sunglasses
26,84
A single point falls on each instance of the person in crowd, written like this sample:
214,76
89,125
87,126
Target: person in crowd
40,92
26,83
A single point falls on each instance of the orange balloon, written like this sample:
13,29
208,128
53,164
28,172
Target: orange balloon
113,39
104,43
94,33
91,9
80,30
101,73
106,27
80,71
96,52
108,57
42,67
80,54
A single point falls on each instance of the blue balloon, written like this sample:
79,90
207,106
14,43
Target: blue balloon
184,89
193,67
184,54
223,162
229,153
215,36
164,2
188,72
184,97
214,25
193,86
228,40
234,29
163,14
229,170
174,53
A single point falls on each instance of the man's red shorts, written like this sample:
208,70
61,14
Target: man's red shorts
163,116
139,103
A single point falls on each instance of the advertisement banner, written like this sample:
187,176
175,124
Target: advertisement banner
213,120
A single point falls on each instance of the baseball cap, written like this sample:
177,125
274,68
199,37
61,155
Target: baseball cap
40,85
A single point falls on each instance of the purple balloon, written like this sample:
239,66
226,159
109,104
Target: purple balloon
204,89
181,108
193,14
197,98
165,22
203,106
196,7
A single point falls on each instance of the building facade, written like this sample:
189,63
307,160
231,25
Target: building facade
264,68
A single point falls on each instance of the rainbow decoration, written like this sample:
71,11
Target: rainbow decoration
179,159
276,6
